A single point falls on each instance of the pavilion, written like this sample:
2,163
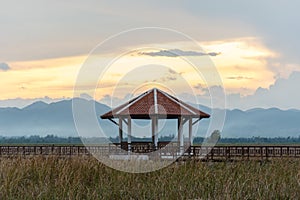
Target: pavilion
153,105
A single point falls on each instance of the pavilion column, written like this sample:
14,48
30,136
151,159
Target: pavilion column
129,133
154,131
191,131
120,130
180,133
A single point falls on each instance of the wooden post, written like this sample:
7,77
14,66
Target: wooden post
153,130
129,133
154,124
191,131
156,132
178,130
180,134
120,130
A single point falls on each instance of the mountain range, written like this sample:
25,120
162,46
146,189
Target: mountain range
43,119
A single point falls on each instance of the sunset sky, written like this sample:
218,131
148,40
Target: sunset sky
254,46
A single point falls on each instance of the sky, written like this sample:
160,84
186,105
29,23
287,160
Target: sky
254,46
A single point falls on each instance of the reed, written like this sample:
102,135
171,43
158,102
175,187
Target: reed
86,178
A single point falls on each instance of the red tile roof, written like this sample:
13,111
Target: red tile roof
155,102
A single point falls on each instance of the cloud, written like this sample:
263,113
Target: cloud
85,96
113,101
284,94
177,53
168,78
4,67
209,21
239,78
204,96
22,87
171,71
165,78
56,38
169,75
201,89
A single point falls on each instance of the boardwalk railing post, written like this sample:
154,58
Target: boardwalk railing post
227,150
207,153
248,152
194,151
52,149
71,150
242,153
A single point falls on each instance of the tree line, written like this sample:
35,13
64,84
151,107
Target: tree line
52,139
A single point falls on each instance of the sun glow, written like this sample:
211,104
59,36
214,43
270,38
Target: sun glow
31,79
242,65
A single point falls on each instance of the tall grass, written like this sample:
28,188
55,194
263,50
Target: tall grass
86,178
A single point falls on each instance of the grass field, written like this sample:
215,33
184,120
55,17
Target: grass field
86,178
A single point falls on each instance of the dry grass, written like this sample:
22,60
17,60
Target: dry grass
86,178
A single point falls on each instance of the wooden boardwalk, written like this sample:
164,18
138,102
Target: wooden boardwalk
217,153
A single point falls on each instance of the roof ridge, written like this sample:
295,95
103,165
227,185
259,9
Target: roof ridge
155,100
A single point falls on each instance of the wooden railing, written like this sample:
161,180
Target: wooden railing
163,151
244,152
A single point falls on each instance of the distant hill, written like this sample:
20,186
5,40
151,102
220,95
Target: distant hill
43,119
259,122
